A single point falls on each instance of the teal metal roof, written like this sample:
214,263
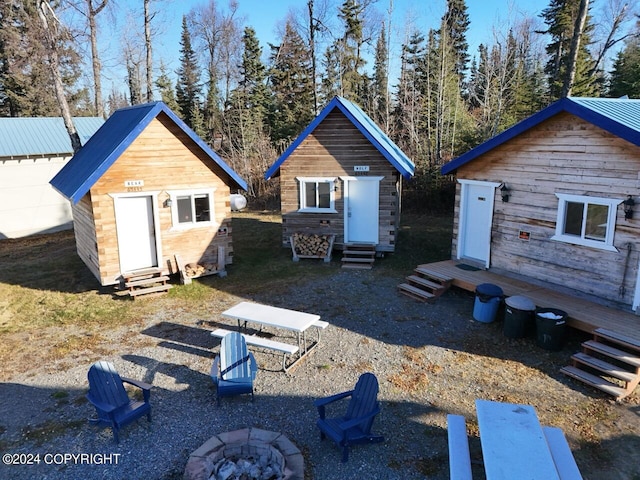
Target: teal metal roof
618,116
21,137
365,125
86,167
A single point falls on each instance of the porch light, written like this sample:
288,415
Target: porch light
504,192
168,202
628,207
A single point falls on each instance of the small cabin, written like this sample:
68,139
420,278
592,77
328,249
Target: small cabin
146,189
553,197
342,177
32,151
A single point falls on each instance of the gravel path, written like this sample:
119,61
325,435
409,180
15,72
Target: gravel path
430,360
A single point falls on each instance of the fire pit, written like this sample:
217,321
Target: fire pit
248,454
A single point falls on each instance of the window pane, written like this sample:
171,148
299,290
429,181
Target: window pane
573,219
310,194
184,210
597,216
203,213
324,195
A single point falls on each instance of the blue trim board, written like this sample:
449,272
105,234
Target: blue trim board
620,117
86,167
365,125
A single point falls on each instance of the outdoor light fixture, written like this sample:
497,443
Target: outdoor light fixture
168,202
628,207
504,191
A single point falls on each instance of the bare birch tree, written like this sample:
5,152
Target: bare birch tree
52,31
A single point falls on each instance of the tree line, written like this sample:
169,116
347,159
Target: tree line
249,103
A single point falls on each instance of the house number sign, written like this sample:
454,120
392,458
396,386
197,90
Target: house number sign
361,168
134,185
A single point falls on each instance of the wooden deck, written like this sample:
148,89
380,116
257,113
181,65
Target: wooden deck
583,314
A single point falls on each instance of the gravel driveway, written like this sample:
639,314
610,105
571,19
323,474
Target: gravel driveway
430,360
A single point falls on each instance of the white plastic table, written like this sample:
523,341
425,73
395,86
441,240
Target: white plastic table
276,317
513,443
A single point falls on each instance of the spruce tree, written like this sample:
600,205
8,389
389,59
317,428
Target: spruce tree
560,18
292,86
625,76
188,86
381,82
165,87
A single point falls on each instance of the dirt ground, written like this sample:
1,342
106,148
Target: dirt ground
432,356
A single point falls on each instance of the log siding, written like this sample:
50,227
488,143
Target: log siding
563,154
165,159
332,150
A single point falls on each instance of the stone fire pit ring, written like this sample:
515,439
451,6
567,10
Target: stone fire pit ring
245,443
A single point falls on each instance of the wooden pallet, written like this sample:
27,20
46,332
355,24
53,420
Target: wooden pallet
146,282
425,285
610,362
359,256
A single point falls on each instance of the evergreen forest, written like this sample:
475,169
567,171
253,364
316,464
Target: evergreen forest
249,100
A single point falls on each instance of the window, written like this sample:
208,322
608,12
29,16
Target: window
191,209
588,221
317,195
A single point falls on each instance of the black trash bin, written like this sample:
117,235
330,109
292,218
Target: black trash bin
518,317
551,328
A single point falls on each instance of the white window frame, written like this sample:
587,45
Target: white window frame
302,181
176,224
611,203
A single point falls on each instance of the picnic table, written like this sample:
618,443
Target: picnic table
515,445
266,315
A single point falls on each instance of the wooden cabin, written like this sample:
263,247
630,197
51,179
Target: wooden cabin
146,189
552,199
342,177
32,151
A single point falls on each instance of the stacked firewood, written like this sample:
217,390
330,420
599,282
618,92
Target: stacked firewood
311,244
194,269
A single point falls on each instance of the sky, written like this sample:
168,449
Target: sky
265,16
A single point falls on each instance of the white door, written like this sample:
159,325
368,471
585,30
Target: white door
136,233
476,216
361,204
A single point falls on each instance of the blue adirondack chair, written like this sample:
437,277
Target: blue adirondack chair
106,393
355,426
234,370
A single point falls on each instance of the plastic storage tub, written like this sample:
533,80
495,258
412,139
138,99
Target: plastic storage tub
487,302
518,317
551,328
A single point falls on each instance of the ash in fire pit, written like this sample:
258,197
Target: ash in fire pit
247,454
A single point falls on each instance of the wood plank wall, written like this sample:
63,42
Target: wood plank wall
165,159
562,155
332,150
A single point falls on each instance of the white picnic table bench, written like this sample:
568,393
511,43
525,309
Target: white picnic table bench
298,322
514,445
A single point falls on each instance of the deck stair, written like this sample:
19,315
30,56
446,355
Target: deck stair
356,255
610,362
425,285
146,282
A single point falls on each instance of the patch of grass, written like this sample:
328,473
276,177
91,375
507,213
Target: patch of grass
45,432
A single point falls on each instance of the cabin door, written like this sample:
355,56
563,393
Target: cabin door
136,230
361,204
476,217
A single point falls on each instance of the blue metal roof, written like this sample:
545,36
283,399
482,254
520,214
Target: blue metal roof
86,167
365,125
618,116
25,136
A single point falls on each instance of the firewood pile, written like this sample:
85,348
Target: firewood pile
197,270
306,245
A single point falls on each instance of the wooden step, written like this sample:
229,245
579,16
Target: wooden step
433,275
424,282
368,253
358,260
615,337
595,381
149,290
146,281
604,367
612,352
416,293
